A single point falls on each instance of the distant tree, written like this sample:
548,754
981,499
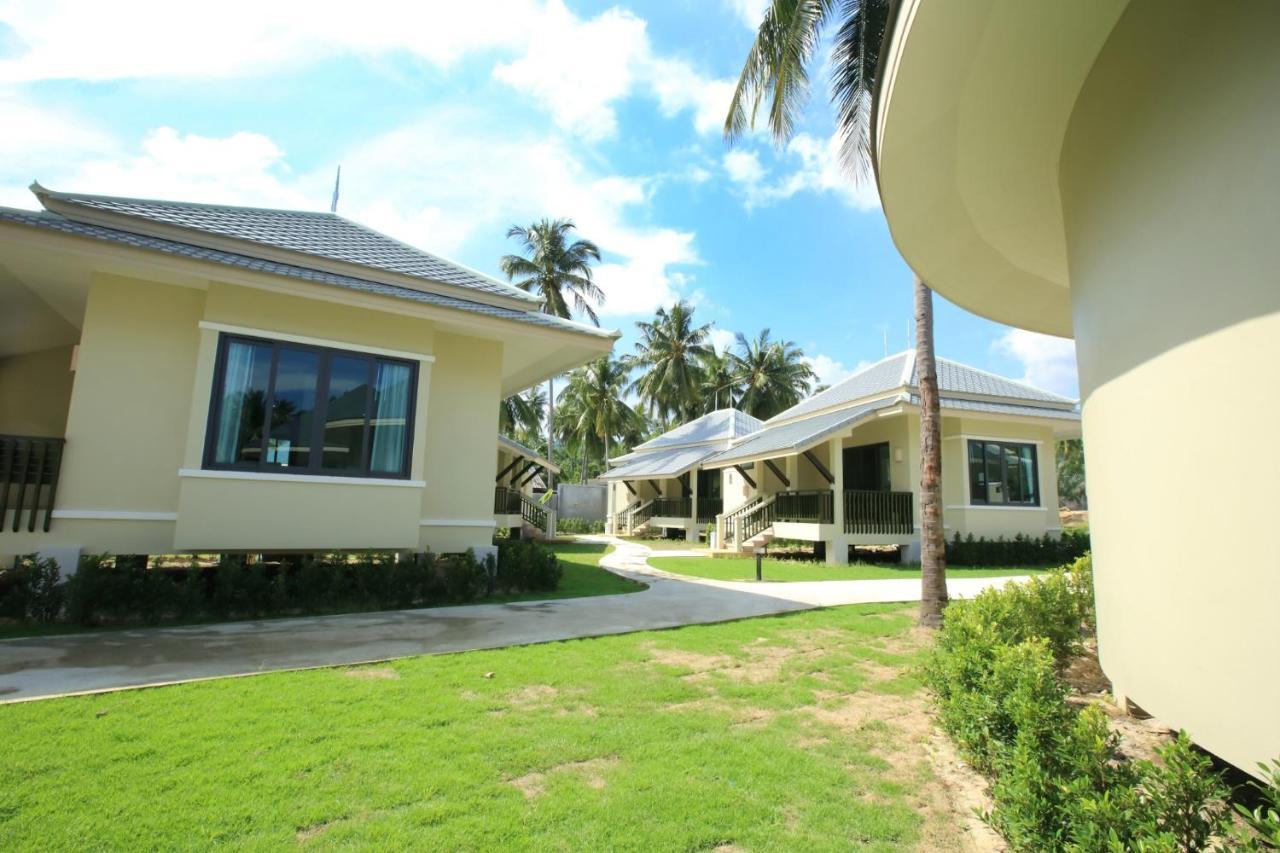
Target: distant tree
557,268
520,415
593,413
1071,482
718,386
669,357
772,375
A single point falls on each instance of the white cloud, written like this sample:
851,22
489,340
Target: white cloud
750,12
66,39
830,370
743,168
722,339
576,68
817,169
1047,362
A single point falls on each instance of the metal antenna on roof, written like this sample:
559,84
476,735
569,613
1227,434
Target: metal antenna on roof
337,182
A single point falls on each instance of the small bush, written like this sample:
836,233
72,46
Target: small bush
1264,818
32,590
1021,550
527,565
577,526
123,590
1058,781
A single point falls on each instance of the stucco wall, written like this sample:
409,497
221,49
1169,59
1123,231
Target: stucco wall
1170,184
461,426
574,500
35,392
960,514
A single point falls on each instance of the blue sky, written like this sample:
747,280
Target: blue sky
453,121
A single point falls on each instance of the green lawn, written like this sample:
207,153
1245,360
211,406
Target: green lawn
666,544
798,732
744,568
582,577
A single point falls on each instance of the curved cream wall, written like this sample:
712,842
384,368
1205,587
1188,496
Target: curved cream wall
1171,191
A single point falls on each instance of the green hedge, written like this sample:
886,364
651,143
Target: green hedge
123,590
1058,780
1019,551
574,526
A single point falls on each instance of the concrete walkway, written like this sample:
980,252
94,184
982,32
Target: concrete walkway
42,667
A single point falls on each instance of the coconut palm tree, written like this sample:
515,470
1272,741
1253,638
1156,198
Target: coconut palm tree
592,412
772,375
669,356
558,268
718,386
776,69
520,415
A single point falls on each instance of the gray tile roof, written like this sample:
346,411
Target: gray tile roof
955,404
722,424
527,452
794,437
898,370
963,379
54,222
671,462
321,235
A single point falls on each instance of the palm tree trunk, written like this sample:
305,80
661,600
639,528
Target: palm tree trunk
933,557
551,438
582,472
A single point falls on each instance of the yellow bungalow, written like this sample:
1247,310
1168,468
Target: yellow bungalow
181,377
842,468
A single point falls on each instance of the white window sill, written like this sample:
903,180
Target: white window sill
997,507
300,478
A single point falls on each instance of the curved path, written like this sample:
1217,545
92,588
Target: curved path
43,667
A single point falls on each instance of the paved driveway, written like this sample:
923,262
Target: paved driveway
40,667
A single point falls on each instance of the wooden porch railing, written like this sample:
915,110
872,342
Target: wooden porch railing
878,512
533,512
815,506
506,501
641,515
672,507
759,519
731,521
29,468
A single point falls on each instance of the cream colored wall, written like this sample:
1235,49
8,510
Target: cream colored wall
132,397
461,427
960,515
1170,186
734,490
283,515
35,392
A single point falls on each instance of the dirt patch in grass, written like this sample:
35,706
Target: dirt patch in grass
688,660
591,772
372,673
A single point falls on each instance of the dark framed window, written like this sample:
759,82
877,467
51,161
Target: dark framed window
290,408
1003,473
866,468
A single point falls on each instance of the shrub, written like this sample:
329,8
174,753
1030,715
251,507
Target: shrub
465,578
32,590
1021,550
575,526
1057,780
527,565
1263,819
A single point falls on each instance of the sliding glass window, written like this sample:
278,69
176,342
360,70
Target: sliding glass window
1003,473
290,408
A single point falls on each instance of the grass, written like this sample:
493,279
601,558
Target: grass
582,577
798,732
666,544
744,568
